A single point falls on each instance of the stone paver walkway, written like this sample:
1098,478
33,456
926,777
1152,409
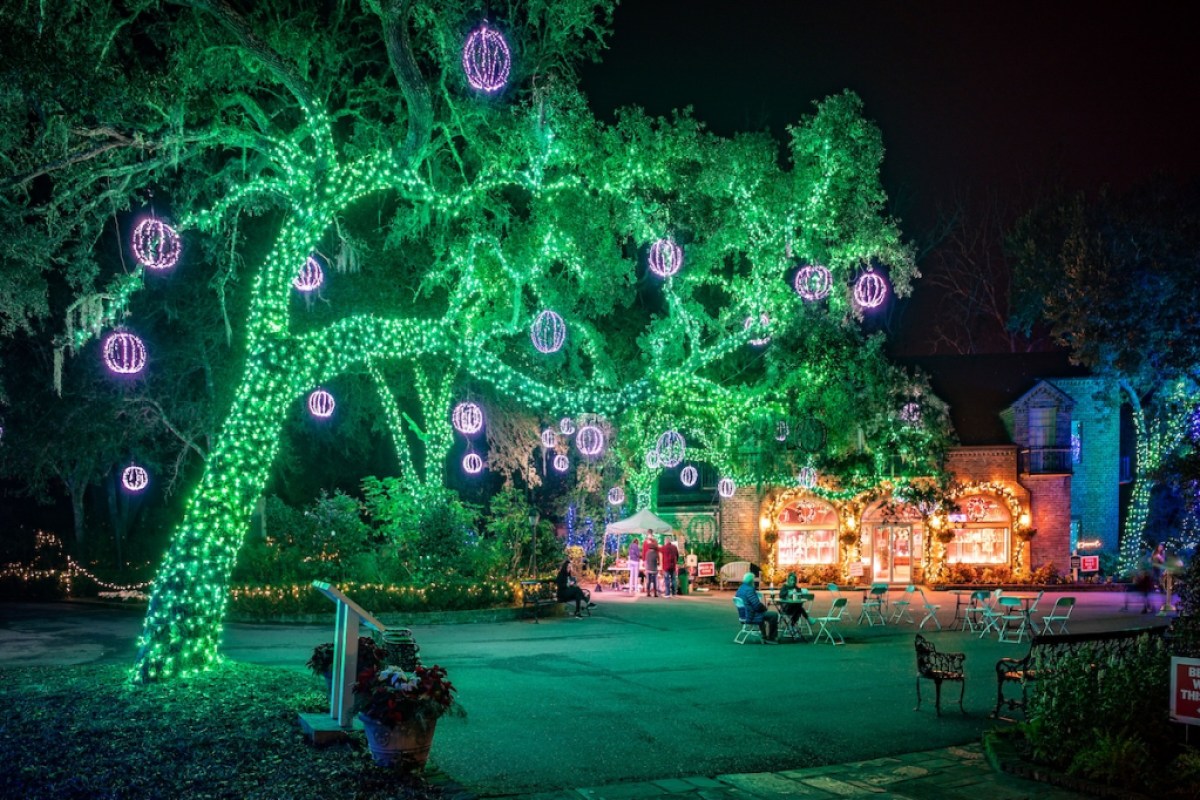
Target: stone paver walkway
950,773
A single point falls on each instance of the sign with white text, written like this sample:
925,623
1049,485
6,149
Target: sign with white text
706,569
1185,690
1089,563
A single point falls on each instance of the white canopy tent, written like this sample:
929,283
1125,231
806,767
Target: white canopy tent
644,521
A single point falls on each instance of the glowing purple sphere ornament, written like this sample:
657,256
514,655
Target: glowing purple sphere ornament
134,478
652,459
807,477
781,431
310,277
472,464
566,426
813,282
764,322
124,353
688,476
670,449
590,440
321,404
548,332
870,290
155,244
467,418
549,438
666,258
726,487
486,59
562,463
616,496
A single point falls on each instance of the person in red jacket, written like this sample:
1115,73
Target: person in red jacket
669,564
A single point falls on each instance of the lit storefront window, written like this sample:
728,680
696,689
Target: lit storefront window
808,534
982,529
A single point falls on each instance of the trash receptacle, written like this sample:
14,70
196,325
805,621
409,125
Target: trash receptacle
683,581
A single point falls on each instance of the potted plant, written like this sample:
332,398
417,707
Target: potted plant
399,712
370,655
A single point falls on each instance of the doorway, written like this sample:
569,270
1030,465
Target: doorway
892,554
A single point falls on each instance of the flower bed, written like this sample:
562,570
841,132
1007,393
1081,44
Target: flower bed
265,602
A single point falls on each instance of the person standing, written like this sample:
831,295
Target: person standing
1158,564
635,561
670,565
650,562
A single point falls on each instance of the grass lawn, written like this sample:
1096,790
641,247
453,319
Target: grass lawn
83,732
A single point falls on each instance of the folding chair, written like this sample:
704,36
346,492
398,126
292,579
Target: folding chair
749,630
930,609
1012,613
902,606
786,626
1033,609
872,607
828,624
973,613
1060,614
990,616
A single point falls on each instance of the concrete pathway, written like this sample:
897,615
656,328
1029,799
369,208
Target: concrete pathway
646,690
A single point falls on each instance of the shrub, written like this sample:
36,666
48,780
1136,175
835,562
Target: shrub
1046,575
961,573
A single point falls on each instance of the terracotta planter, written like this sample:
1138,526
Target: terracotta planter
405,745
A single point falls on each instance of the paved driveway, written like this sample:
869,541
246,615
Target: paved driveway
645,689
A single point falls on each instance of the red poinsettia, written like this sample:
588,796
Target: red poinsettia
392,696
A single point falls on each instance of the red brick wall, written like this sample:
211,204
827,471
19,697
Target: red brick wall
740,525
1051,515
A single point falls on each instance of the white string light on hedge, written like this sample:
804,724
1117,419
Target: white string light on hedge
310,277
670,449
467,418
590,440
870,290
813,282
321,404
472,464
726,487
486,59
124,353
666,258
155,244
562,463
135,479
688,476
616,496
548,332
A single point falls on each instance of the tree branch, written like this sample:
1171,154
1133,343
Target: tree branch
394,14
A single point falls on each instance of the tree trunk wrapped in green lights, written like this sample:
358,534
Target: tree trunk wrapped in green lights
695,283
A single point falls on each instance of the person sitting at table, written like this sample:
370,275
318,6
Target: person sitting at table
791,590
567,589
756,611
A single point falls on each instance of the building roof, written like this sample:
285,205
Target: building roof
979,387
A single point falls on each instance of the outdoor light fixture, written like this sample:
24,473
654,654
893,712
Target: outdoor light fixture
321,404
562,463
764,322
310,277
548,332
567,426
688,476
616,496
124,353
486,59
870,290
134,478
467,418
155,244
666,258
813,282
549,438
472,464
670,449
590,440
726,487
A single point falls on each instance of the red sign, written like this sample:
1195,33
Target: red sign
1185,690
1089,563
706,569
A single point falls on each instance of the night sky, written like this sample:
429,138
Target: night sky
969,96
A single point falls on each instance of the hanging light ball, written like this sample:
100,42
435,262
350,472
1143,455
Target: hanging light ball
549,438
566,426
813,282
764,322
310,277
467,418
670,448
472,464
726,487
688,476
910,413
321,404
124,353
870,290
590,440
155,244
781,431
652,459
562,463
807,477
666,258
486,59
134,478
548,332
616,496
